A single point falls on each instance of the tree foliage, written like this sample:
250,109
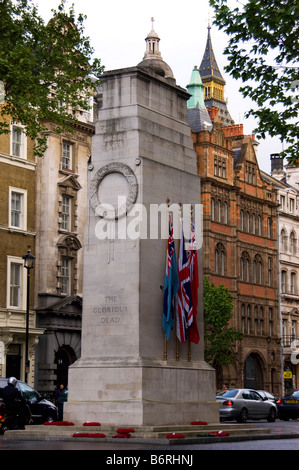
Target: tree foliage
47,69
262,51
219,336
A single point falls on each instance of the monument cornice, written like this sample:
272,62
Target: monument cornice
149,76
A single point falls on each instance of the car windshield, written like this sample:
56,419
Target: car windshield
29,393
227,393
296,394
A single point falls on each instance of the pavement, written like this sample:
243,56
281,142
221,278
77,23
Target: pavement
163,435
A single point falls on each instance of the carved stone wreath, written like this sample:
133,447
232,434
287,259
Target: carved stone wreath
100,207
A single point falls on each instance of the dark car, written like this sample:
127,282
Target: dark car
42,410
288,406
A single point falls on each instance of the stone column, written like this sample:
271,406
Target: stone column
143,153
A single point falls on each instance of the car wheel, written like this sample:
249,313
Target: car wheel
271,416
243,416
49,418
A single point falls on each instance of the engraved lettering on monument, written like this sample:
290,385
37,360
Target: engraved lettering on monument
111,311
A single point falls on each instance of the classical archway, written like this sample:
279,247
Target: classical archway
253,372
64,357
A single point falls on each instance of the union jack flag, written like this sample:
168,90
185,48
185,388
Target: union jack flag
170,248
184,307
193,333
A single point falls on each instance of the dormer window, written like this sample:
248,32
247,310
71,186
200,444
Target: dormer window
250,173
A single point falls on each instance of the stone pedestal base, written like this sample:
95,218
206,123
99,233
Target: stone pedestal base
130,392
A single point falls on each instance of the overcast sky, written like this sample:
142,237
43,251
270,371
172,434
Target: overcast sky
117,31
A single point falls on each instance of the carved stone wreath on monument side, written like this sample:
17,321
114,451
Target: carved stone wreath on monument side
100,207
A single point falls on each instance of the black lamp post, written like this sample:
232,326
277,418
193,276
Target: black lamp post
28,264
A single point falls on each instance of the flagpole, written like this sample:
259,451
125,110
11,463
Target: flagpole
189,342
179,245
167,219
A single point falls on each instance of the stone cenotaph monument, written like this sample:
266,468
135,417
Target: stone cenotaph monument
142,157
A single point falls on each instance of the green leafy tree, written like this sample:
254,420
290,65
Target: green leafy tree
219,336
262,51
46,68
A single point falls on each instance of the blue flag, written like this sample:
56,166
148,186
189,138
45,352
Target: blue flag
171,284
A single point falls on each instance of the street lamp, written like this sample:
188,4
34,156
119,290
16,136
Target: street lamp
28,264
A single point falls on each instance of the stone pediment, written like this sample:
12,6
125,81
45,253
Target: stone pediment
70,305
70,181
69,243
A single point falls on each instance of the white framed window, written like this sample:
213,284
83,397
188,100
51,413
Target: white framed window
17,208
66,275
18,141
66,160
292,205
283,282
66,213
16,283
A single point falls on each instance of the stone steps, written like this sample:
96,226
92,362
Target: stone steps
55,432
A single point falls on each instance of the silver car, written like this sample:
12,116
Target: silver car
267,395
242,404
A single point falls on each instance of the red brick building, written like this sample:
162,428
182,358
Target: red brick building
240,233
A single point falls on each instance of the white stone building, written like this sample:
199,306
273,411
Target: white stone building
287,184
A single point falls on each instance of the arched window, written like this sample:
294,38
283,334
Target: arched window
253,221
245,262
256,321
64,357
283,282
269,227
293,283
259,225
247,222
225,213
212,209
248,320
220,259
293,243
261,321
283,240
241,220
257,270
253,373
68,247
269,271
243,319
219,210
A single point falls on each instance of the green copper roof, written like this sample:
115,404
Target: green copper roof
196,89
